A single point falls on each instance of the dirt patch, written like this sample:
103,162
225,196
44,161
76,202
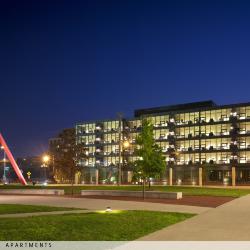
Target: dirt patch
201,201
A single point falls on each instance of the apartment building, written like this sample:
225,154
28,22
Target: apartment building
203,143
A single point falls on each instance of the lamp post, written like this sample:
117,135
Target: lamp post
122,145
45,159
126,145
120,149
4,165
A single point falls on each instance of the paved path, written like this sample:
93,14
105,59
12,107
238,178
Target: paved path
44,213
98,204
230,221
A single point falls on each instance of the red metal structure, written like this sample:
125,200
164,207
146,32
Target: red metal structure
12,160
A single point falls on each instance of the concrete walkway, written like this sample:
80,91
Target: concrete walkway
228,222
99,204
21,215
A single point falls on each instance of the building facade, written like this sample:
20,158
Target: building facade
203,143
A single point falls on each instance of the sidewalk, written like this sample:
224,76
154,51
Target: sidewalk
99,204
228,222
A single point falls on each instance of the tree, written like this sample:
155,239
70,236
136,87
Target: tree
68,163
66,155
151,162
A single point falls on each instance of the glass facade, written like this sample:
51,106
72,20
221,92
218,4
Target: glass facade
192,137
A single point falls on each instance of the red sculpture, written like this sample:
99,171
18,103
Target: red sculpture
12,160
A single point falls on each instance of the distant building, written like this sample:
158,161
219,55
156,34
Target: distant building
203,143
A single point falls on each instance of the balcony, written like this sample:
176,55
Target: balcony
164,149
243,117
203,121
225,119
99,153
179,123
223,161
171,149
162,124
162,137
211,134
235,161
98,128
183,149
98,140
180,136
203,135
233,116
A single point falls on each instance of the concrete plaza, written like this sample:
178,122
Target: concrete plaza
228,222
98,204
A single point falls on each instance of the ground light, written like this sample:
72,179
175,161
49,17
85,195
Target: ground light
109,212
108,209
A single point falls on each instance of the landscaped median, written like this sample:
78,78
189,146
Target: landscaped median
197,191
19,208
93,226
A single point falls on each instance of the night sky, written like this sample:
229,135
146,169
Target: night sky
68,61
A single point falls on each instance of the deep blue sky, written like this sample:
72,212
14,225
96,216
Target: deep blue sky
69,61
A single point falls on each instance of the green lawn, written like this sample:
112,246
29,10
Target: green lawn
186,190
120,225
16,208
232,192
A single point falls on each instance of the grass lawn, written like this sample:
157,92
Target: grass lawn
232,192
185,190
120,225
16,208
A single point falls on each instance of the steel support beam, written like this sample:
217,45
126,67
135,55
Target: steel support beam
12,160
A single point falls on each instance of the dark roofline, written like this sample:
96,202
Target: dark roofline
171,108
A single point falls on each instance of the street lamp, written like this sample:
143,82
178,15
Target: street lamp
123,145
126,145
45,159
4,165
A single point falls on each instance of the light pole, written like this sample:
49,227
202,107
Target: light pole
122,145
120,150
125,145
4,165
45,159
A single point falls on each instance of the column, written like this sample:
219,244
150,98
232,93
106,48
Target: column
200,177
96,176
170,176
76,178
130,176
233,176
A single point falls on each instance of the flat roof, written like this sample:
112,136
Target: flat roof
170,108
